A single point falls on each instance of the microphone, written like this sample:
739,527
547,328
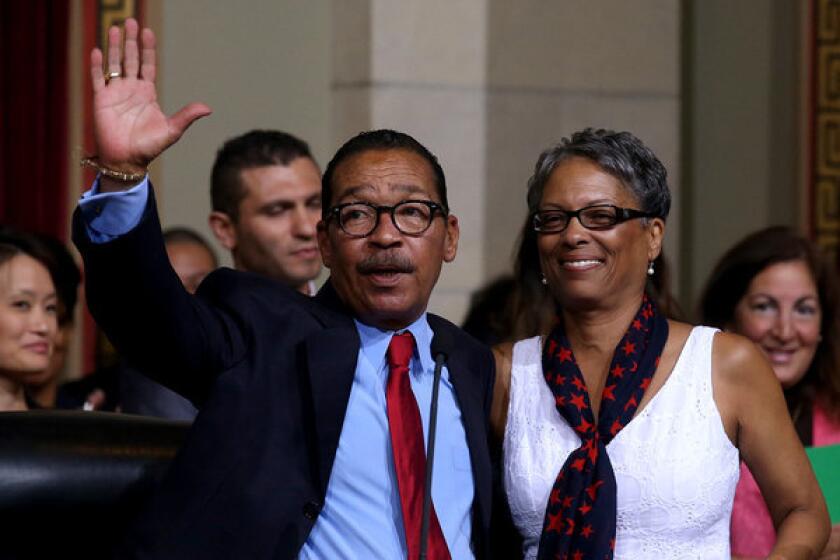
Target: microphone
441,348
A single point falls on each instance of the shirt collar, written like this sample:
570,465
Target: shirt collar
374,343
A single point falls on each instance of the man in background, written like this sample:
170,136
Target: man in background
265,191
191,256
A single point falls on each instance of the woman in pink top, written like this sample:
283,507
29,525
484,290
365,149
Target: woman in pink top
775,288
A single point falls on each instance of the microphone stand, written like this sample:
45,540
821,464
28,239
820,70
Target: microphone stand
430,457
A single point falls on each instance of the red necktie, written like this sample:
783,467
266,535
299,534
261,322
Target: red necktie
409,451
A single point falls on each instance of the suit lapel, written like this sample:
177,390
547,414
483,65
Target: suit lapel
469,395
471,402
331,356
329,309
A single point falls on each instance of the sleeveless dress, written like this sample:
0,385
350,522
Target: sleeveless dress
675,468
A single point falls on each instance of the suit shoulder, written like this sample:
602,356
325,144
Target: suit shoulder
226,283
247,295
462,340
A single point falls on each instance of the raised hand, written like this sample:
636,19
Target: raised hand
130,129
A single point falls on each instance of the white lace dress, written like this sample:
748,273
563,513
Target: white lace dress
675,468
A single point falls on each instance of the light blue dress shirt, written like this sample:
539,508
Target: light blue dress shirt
362,516
109,215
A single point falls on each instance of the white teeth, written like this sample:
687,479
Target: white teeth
580,264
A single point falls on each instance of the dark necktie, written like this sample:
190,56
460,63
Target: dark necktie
409,450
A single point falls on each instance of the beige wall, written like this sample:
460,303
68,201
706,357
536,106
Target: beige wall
743,132
259,64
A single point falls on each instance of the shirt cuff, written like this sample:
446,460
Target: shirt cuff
110,215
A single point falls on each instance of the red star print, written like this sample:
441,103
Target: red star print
592,488
578,555
587,531
628,348
656,362
555,496
564,355
617,371
612,543
555,523
585,508
616,426
578,401
552,346
584,426
593,452
560,380
647,312
579,384
567,502
634,367
637,324
570,525
608,392
645,383
631,403
560,400
578,464
591,448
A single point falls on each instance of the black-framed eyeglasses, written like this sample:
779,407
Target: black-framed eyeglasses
598,216
411,217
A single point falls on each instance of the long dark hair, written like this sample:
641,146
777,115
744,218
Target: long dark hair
731,279
534,310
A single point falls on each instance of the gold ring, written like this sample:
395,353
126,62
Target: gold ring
111,75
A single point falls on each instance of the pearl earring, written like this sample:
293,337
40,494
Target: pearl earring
650,270
544,280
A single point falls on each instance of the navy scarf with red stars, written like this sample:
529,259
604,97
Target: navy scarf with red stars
580,516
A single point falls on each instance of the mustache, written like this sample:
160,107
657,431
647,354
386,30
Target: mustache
394,262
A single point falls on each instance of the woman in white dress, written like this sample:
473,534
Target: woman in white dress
621,429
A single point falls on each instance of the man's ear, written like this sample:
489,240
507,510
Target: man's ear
453,232
223,229
324,243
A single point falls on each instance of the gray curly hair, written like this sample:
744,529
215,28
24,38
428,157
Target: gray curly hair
620,154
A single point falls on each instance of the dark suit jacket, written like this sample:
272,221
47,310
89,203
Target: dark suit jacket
271,371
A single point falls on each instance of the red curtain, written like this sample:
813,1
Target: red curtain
33,115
